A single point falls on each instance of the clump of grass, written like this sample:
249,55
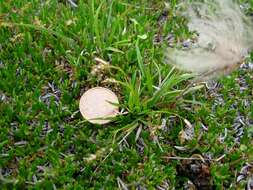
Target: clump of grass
47,54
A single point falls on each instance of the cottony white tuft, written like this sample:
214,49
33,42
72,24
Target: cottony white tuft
225,37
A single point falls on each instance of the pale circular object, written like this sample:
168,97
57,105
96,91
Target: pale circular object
96,105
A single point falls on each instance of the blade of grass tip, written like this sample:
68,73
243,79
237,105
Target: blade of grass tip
149,80
130,88
79,56
159,73
139,84
133,99
109,19
138,91
117,131
168,76
115,50
126,128
139,58
173,80
166,83
145,72
96,24
122,43
38,28
129,131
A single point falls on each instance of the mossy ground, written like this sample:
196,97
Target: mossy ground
47,60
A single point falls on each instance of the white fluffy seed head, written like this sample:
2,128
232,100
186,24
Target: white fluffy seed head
225,36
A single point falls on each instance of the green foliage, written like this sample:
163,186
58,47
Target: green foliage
47,54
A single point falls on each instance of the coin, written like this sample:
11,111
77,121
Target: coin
97,105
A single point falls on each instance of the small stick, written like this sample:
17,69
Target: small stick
191,158
72,3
